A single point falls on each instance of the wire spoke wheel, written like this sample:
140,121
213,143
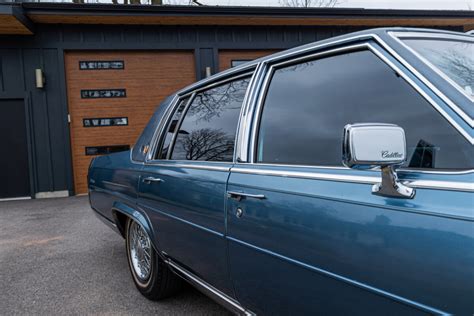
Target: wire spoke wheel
150,273
140,251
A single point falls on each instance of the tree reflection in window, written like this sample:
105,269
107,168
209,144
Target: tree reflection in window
209,126
454,58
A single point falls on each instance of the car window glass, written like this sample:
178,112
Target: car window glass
173,123
308,104
454,58
209,126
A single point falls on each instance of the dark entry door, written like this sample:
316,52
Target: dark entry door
14,169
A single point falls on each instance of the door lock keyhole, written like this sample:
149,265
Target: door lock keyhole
239,212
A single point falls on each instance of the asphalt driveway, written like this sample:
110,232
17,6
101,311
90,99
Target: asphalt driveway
57,258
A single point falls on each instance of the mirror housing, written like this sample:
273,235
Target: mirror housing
367,146
370,145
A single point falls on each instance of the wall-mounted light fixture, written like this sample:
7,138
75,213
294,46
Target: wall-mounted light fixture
208,72
40,80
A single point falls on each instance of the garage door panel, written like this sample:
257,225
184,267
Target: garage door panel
148,77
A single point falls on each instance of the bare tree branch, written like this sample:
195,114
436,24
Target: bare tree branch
206,144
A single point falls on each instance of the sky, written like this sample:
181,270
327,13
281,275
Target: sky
373,4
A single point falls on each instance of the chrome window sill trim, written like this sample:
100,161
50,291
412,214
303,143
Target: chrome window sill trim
441,185
422,184
401,170
440,172
209,290
415,35
191,166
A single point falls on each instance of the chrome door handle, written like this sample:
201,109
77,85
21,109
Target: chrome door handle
149,180
239,195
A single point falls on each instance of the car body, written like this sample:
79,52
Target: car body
272,221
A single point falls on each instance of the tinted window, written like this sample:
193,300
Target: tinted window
308,105
209,126
454,58
171,129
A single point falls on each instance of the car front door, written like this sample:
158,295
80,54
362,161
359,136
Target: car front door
307,236
183,187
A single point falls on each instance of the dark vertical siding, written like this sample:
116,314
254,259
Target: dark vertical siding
57,120
11,80
48,140
39,112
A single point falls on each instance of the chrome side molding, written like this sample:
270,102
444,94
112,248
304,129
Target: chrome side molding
208,289
349,178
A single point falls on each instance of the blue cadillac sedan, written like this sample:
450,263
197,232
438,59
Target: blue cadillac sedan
332,178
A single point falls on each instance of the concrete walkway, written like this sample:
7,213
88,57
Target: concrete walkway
57,258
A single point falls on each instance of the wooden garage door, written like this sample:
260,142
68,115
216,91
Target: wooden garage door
105,85
227,56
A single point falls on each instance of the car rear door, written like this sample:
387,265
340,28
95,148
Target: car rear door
307,236
183,187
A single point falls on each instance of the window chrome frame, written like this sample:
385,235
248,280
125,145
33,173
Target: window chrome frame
249,128
246,115
398,36
178,125
191,93
161,126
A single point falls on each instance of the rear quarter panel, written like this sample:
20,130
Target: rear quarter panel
113,178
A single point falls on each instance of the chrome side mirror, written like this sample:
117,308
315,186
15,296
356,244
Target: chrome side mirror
366,146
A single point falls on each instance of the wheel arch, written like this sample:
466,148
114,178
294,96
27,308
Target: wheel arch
122,212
